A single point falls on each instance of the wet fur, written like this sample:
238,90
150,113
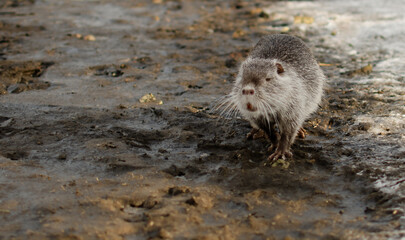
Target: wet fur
286,99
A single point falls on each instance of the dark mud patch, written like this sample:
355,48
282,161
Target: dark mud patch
108,71
4,44
16,3
16,77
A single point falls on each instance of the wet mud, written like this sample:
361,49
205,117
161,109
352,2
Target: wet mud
112,134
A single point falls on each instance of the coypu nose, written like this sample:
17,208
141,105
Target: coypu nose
250,107
248,91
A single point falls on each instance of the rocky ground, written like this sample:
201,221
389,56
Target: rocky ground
106,130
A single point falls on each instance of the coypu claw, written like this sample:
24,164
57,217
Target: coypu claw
259,134
252,132
302,133
255,134
277,155
271,148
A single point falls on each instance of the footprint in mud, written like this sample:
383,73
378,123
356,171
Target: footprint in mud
120,166
108,71
177,190
176,171
5,121
132,70
15,155
140,137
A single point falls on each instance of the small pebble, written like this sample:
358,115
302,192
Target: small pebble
165,234
89,38
77,35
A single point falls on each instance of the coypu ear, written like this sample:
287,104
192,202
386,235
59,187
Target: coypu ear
280,68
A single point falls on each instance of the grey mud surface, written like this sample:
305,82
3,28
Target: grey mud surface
81,157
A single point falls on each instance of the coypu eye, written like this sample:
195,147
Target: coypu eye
268,79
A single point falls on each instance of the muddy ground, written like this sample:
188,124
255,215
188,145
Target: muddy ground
88,153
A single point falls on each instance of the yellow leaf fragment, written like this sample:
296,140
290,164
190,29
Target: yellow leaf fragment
150,98
238,34
303,19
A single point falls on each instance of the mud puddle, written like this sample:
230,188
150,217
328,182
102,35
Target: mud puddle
122,145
